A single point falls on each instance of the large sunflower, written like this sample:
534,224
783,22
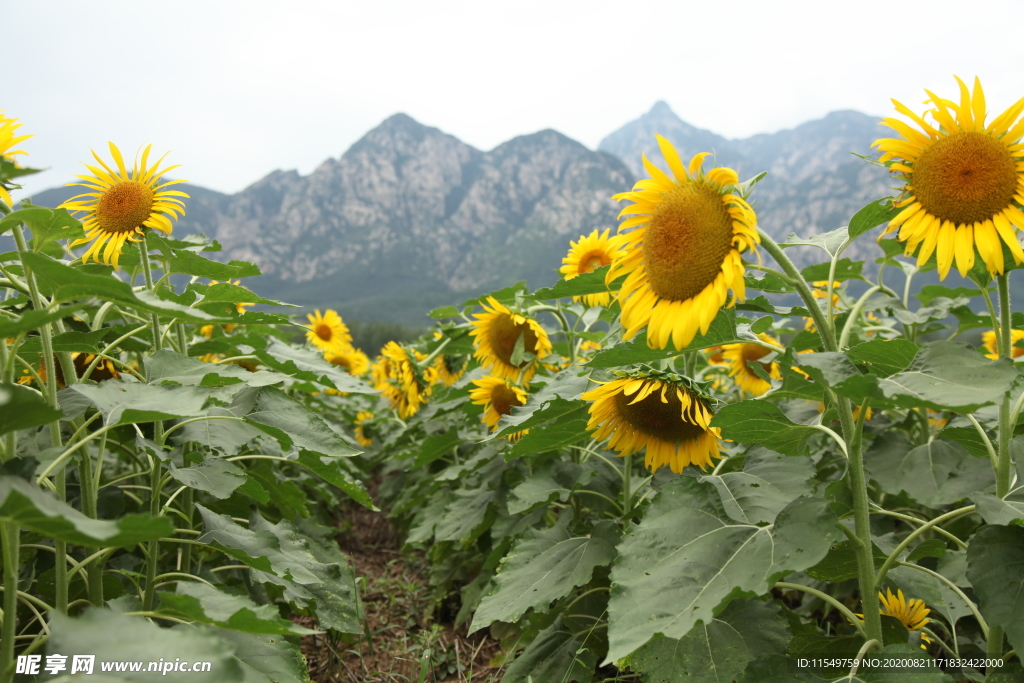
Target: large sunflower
683,254
964,181
328,332
352,360
8,140
498,396
123,203
912,613
668,418
738,357
497,331
400,381
587,255
988,340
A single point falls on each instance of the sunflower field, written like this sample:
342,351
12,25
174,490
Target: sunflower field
688,460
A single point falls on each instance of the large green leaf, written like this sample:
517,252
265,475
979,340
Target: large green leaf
934,474
226,436
884,357
33,320
309,365
215,476
556,654
470,511
554,481
23,408
267,658
718,651
723,330
123,402
207,604
544,565
845,270
871,216
567,430
762,422
767,484
330,470
170,366
935,593
995,568
554,400
292,424
64,283
687,559
995,510
436,446
191,263
304,561
29,507
831,241
840,564
47,225
587,283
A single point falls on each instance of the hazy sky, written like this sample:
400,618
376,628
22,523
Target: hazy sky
238,88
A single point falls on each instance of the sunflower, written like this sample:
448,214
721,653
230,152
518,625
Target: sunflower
912,613
354,361
498,331
328,332
738,357
400,381
587,255
450,368
667,417
362,431
121,204
104,370
8,140
964,181
498,396
988,339
683,253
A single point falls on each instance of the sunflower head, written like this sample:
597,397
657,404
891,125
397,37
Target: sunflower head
498,396
498,332
363,432
401,381
963,181
739,357
988,340
121,204
328,332
912,613
8,139
587,255
683,250
450,368
352,360
663,414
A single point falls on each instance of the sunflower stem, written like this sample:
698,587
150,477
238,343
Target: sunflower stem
10,536
627,480
1005,425
828,335
154,318
844,337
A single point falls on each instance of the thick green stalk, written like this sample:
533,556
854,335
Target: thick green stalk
148,272
89,496
186,552
155,476
10,535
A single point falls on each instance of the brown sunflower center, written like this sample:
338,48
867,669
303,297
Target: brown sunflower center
965,178
594,260
323,330
752,353
341,361
686,241
662,421
503,399
503,335
124,207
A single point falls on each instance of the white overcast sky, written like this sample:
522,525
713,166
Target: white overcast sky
238,88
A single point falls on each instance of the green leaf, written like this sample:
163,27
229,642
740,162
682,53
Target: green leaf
845,270
123,402
33,320
226,436
769,282
191,263
840,564
871,216
310,366
934,474
467,515
29,507
114,637
64,283
718,651
330,470
768,483
207,604
556,654
884,358
933,547
444,312
564,431
47,225
929,293
995,510
215,476
170,366
995,564
687,559
267,658
292,424
227,293
436,446
544,565
762,422
554,400
722,331
831,242
587,283
967,437
935,593
554,481
24,408
762,324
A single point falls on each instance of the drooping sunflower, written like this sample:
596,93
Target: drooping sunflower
964,181
683,253
498,396
497,331
988,339
587,255
328,332
354,361
122,203
912,613
401,382
450,368
362,431
667,418
738,357
8,140
103,371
